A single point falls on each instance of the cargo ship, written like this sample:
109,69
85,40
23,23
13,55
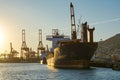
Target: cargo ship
71,53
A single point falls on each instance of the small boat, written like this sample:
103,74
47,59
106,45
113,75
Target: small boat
43,58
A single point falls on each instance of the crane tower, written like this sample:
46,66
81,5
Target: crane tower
73,25
24,48
40,47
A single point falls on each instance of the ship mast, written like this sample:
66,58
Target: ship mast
73,25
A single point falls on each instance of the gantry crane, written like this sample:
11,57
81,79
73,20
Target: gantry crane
40,47
24,48
11,48
13,53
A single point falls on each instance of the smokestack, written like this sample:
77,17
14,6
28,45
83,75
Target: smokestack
91,34
84,32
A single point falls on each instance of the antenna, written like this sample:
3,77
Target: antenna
79,28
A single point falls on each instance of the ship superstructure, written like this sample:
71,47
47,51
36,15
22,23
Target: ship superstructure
55,38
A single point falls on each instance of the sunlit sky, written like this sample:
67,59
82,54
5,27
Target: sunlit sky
32,15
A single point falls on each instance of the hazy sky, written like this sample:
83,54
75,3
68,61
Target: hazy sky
32,15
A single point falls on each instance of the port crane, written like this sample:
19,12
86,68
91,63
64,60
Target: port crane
40,47
13,52
24,48
11,49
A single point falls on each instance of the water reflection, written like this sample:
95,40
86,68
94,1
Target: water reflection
34,71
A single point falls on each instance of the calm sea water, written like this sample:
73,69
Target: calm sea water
36,71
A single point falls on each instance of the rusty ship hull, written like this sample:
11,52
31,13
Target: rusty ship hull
72,55
74,52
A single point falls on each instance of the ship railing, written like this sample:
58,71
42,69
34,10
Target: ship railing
52,36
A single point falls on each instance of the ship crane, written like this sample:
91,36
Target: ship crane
40,47
24,48
73,25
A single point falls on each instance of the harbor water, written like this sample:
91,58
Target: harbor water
36,71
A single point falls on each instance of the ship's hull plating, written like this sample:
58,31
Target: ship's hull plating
82,64
75,55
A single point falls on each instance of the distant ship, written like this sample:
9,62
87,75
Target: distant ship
71,53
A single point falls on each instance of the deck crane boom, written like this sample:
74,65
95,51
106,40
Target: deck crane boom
73,25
